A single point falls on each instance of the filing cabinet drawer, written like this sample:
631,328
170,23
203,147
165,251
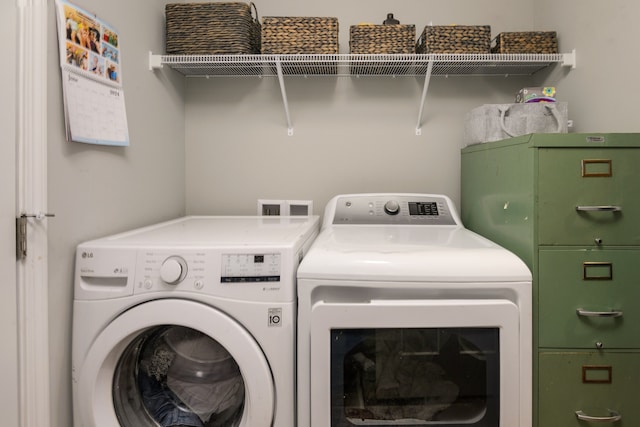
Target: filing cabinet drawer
588,297
594,384
587,194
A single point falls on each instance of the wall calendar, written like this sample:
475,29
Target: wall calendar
94,105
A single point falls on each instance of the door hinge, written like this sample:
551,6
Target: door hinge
21,232
21,237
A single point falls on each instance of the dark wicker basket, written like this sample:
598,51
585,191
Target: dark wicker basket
212,29
526,42
382,39
299,35
455,39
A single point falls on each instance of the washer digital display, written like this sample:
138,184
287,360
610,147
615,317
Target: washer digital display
245,268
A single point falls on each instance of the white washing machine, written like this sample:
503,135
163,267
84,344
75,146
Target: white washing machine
190,322
407,318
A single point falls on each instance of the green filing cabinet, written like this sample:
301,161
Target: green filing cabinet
569,206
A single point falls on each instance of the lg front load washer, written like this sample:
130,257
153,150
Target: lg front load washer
190,322
406,318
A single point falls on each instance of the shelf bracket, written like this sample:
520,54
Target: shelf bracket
569,59
427,78
284,97
155,61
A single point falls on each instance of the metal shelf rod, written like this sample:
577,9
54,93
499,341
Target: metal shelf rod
427,78
283,91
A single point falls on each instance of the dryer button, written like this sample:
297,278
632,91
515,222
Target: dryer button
392,207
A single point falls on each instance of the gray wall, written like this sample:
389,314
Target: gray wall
350,135
96,190
215,146
602,91
357,135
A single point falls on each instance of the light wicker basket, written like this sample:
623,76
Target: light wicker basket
455,39
382,39
299,35
526,42
212,29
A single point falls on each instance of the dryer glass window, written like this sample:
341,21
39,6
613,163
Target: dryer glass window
415,376
177,376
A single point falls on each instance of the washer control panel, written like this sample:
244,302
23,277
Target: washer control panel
263,267
393,209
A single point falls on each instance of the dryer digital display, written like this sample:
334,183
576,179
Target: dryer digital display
245,268
423,208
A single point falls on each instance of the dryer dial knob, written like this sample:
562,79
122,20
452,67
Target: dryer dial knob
173,270
392,207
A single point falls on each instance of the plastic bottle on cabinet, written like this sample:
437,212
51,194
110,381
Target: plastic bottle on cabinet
390,20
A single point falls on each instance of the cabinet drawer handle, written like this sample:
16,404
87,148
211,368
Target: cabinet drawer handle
609,208
587,313
610,419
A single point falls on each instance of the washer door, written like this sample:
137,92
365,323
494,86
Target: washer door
175,363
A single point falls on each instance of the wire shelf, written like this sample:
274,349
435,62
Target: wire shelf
358,64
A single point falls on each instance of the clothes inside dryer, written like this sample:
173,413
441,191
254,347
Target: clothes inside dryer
417,376
177,376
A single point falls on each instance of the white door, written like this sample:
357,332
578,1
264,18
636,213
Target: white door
8,301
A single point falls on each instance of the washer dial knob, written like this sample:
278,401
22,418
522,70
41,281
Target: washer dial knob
392,207
173,270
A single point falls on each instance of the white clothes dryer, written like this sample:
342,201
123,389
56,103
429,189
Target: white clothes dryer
190,322
407,318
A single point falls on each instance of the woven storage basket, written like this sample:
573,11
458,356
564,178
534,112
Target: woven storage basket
455,39
526,42
212,29
382,39
299,35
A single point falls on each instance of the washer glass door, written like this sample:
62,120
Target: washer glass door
177,376
168,363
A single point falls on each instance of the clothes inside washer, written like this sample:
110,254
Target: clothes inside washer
203,374
163,405
188,379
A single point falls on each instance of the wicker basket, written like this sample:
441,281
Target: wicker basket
299,35
382,39
455,39
526,42
212,29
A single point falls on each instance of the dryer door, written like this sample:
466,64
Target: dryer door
175,363
415,362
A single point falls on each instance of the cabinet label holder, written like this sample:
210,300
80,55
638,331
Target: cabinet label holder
597,374
596,168
597,271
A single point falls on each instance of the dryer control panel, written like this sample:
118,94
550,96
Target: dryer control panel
393,209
